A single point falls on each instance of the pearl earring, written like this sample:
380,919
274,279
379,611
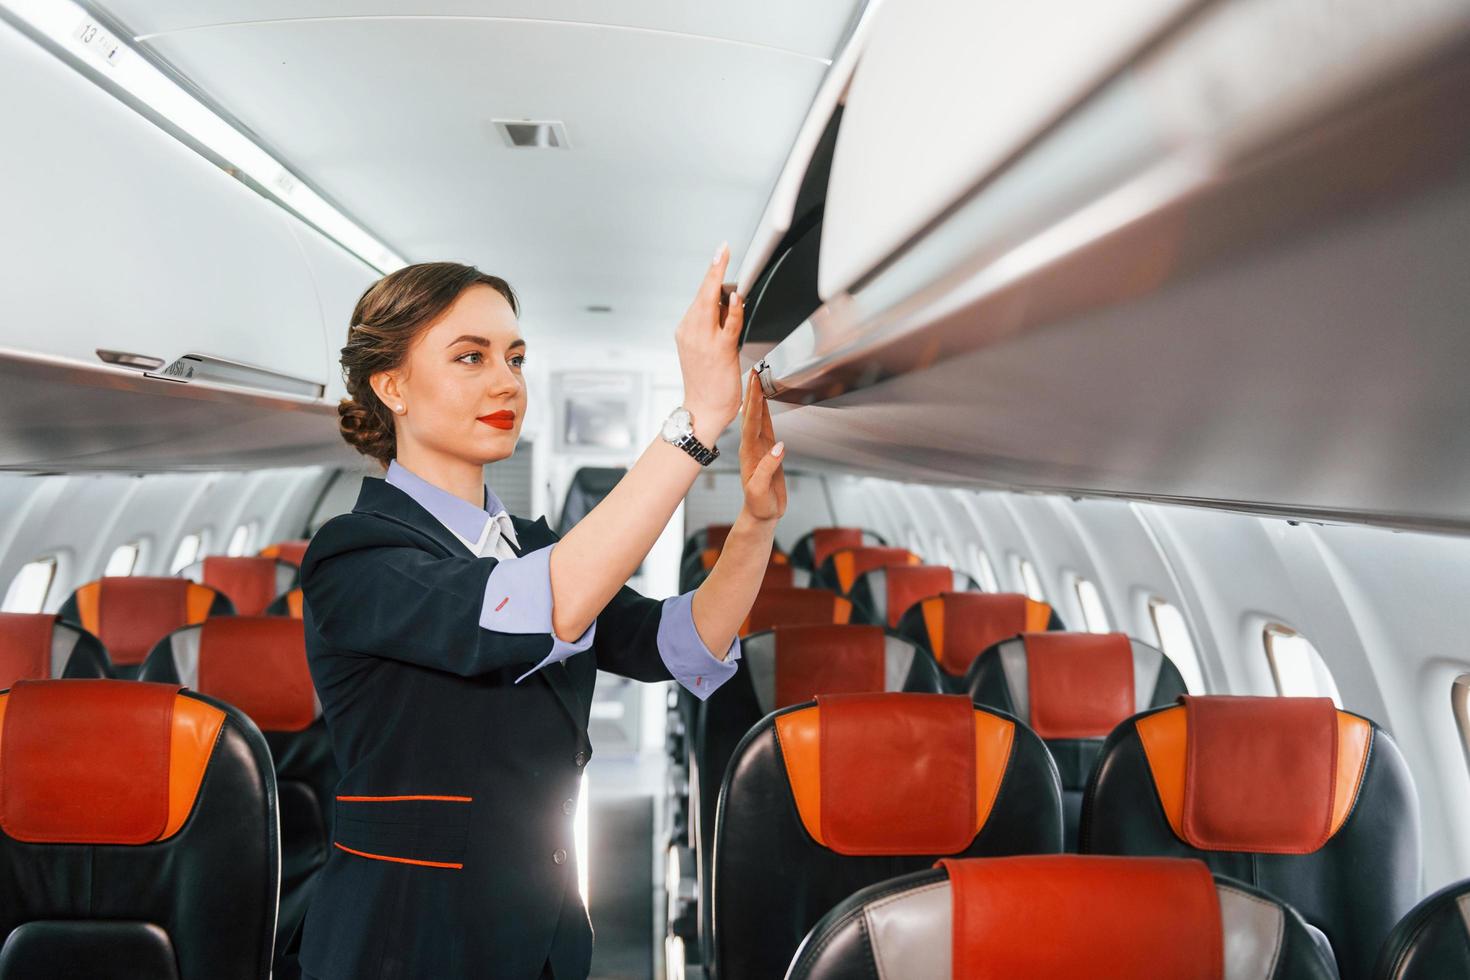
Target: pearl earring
398,409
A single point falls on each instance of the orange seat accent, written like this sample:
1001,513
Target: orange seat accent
398,860
196,728
779,558
826,540
258,664
800,736
795,607
250,583
287,551
1084,916
25,647
89,608
708,557
908,584
86,761
853,562
294,600
963,625
1080,684
1165,738
813,660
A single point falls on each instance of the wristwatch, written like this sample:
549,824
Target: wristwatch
678,431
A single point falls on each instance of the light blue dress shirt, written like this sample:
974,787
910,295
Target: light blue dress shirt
518,592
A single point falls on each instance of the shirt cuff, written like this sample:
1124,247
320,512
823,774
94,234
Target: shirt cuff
518,600
684,653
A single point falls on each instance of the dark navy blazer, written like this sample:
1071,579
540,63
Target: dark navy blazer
453,852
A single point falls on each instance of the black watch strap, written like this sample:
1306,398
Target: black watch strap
703,455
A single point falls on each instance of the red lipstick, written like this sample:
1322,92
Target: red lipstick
500,420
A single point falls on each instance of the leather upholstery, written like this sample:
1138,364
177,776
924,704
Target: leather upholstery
130,614
1354,887
772,878
795,607
290,604
258,664
881,596
251,583
702,550
1001,678
199,901
38,646
1432,941
750,695
1066,917
958,626
812,548
840,571
290,552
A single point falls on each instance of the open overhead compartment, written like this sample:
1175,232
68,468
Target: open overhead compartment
1228,269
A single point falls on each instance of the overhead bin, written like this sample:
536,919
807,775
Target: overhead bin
120,238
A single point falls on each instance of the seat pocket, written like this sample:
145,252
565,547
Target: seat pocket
428,831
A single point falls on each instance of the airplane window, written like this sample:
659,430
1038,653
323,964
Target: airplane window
1094,613
124,559
942,554
240,541
1030,582
1297,667
1172,633
186,554
27,591
985,571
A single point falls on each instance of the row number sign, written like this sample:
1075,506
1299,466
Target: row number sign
97,42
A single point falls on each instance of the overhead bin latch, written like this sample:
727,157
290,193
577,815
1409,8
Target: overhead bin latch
768,382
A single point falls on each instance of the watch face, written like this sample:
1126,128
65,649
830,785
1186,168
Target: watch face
678,424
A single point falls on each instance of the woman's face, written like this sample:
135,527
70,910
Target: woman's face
461,386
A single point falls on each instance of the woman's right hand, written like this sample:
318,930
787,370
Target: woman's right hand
708,339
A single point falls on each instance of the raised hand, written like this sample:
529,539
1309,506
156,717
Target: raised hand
708,339
761,472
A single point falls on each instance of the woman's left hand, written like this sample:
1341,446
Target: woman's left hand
761,472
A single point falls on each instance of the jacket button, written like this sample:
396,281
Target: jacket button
568,807
559,856
581,759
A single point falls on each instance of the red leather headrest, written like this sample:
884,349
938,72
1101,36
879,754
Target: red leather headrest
852,562
777,577
815,660
86,761
258,664
826,540
130,614
795,607
25,647
894,773
716,534
249,582
962,625
1081,684
1256,774
907,584
288,551
1059,917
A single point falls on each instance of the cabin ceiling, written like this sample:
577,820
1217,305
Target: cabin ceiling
679,116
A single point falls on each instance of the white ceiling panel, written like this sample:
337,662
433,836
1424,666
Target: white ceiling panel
679,117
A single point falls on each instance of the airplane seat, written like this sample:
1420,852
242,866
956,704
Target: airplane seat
958,626
778,575
881,596
785,666
812,548
1432,941
251,582
38,646
1059,917
287,604
839,571
139,834
258,664
702,549
1290,795
590,484
1073,689
821,799
129,614
290,552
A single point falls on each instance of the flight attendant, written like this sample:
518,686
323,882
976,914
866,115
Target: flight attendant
454,646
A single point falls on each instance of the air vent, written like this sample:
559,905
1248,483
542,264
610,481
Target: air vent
532,135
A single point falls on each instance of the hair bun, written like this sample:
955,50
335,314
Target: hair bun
366,430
